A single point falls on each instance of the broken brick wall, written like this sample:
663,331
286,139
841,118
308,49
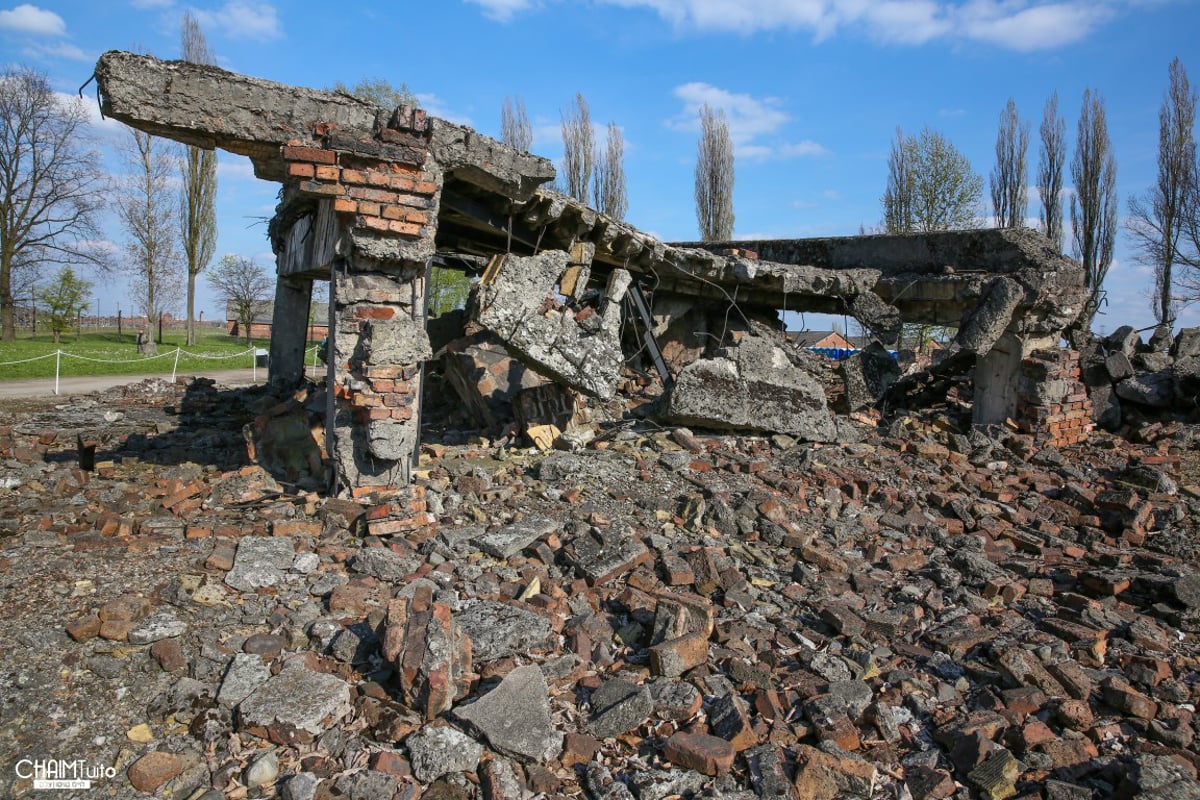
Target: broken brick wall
1052,402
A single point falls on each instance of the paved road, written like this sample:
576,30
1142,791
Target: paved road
44,387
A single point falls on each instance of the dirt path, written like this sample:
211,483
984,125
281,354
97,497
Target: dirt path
44,387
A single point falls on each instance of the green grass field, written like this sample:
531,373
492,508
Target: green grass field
105,352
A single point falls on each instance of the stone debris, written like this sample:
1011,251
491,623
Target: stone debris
515,716
754,386
924,609
295,706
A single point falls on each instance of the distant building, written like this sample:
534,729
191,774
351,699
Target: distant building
260,325
822,340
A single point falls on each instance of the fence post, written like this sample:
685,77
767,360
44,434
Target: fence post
57,364
175,367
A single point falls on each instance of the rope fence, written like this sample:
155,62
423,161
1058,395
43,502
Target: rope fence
58,356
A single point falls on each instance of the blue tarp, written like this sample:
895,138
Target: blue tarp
842,353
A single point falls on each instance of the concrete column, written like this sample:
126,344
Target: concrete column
289,332
998,375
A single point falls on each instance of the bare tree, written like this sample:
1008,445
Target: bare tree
1188,248
931,186
578,149
148,208
1093,207
1053,133
379,92
1157,220
245,287
898,196
515,130
197,205
714,177
1009,180
51,184
608,187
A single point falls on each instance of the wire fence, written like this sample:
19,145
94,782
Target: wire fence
59,355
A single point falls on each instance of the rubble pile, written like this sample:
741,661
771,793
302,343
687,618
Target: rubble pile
1132,382
914,611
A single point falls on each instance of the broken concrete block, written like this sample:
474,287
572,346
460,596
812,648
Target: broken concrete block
515,717
602,554
261,561
438,750
295,706
497,630
867,375
753,386
1152,389
512,539
511,300
618,707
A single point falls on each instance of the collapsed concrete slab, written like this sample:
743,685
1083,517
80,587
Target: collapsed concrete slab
754,386
581,350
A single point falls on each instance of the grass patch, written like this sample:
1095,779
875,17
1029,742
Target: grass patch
107,353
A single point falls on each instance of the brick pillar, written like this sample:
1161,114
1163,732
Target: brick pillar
289,332
379,343
376,217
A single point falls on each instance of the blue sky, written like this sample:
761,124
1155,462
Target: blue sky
814,89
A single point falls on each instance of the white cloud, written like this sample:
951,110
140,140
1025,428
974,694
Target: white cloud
31,19
239,19
1024,25
58,50
750,120
501,10
234,167
1038,27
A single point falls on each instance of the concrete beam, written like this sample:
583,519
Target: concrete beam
210,107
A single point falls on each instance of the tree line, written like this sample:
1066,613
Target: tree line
931,186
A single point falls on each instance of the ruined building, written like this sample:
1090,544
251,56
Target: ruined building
373,197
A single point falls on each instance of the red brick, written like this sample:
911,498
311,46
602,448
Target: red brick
83,629
373,195
313,154
345,206
328,173
301,170
323,189
701,752
405,228
354,176
375,312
